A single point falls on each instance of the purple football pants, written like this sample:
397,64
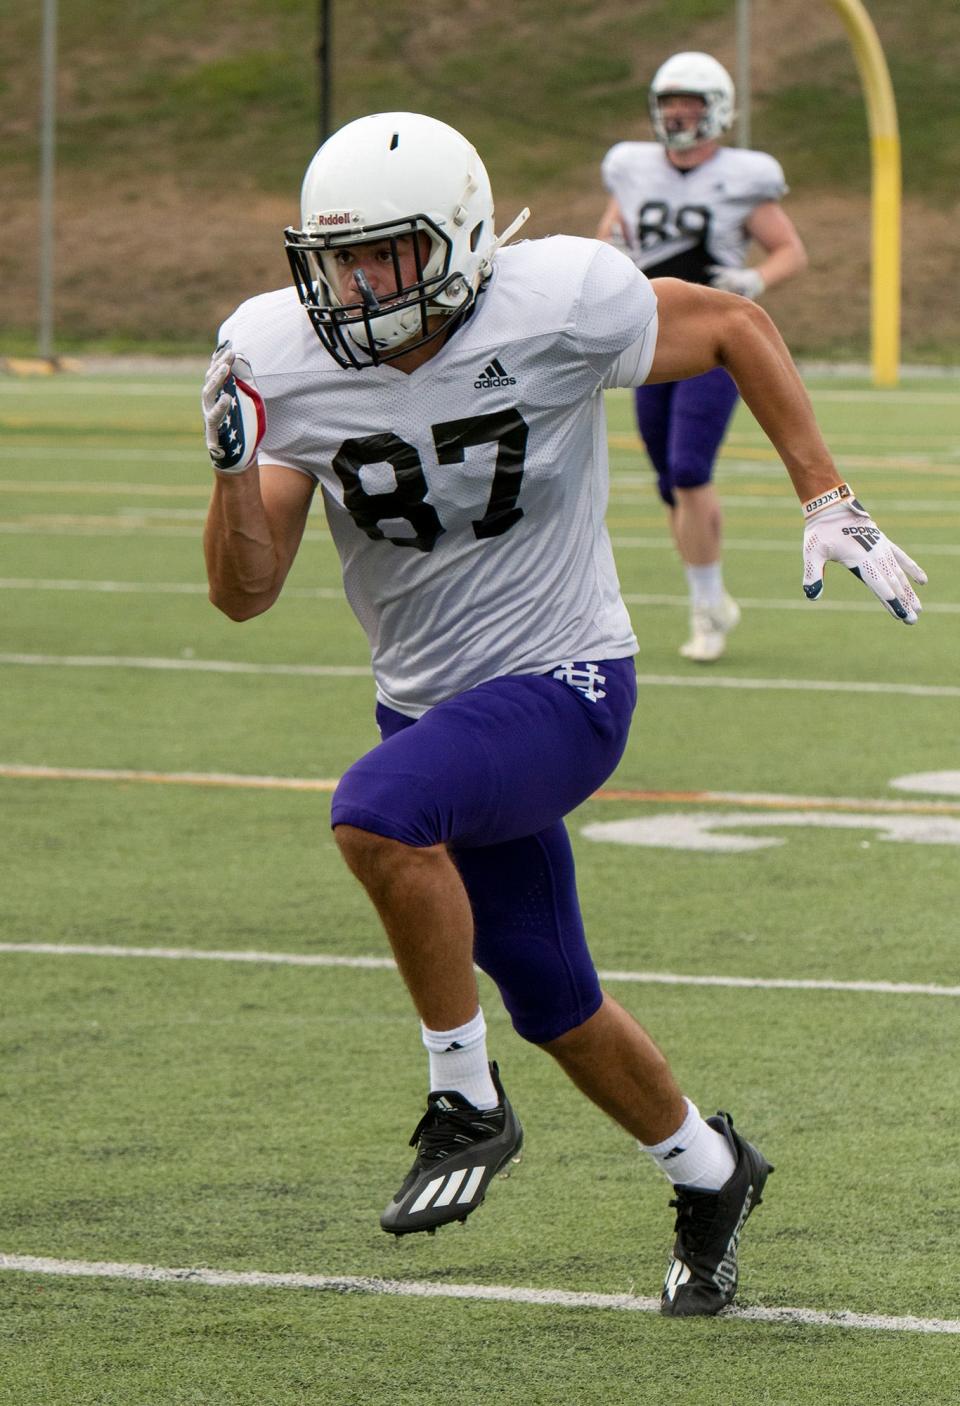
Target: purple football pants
682,425
490,773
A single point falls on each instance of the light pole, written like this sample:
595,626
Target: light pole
743,73
48,123
324,33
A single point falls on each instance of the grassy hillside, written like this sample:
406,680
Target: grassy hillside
184,130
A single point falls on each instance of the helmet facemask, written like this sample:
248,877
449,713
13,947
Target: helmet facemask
376,328
707,128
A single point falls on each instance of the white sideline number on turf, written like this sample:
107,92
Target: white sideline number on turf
696,830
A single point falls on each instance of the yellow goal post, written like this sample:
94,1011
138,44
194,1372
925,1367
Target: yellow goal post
886,191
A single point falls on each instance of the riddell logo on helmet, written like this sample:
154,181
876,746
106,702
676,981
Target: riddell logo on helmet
331,218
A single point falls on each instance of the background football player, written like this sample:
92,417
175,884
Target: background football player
446,395
686,207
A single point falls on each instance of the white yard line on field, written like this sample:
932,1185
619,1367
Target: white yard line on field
202,666
323,959
760,544
91,385
86,526
231,666
67,487
188,954
940,459
797,685
941,465
490,1293
104,454
800,602
100,527
197,588
161,588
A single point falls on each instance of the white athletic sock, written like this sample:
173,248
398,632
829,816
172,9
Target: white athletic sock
458,1061
695,1155
705,584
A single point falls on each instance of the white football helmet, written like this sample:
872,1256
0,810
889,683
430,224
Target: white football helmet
383,177
702,76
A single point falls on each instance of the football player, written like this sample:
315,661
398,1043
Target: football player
686,207
446,396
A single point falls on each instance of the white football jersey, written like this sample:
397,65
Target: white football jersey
467,499
678,223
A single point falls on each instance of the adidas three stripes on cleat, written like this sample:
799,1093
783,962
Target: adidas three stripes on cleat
702,1277
460,1149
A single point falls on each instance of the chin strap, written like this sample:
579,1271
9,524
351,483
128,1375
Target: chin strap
501,240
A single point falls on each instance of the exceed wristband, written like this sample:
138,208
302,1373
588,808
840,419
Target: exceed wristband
842,493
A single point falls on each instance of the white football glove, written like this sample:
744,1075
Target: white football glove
234,417
747,282
838,528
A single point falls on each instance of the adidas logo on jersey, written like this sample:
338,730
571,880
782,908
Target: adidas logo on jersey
493,375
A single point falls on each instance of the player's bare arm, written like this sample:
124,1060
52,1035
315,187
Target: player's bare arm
254,527
784,253
701,328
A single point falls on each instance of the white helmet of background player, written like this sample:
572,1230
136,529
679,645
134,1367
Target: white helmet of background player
703,77
380,178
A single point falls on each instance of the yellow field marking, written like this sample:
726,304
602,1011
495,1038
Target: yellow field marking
766,454
28,366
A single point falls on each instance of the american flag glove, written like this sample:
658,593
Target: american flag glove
234,417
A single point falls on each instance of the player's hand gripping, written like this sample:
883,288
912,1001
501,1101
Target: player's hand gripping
234,418
747,282
838,528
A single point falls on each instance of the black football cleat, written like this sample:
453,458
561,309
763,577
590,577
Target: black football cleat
460,1149
702,1277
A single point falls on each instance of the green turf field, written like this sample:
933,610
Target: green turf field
249,1118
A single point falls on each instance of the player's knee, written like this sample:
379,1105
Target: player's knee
367,854
367,851
691,473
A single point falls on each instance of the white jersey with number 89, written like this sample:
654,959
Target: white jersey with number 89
679,223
